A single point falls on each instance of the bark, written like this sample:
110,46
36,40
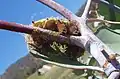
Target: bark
50,35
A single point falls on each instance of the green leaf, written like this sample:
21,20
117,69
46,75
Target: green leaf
92,62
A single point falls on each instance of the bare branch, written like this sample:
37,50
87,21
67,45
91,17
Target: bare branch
50,35
100,20
86,11
43,58
75,67
15,27
60,9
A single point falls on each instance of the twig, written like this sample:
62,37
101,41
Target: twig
86,10
29,30
60,9
45,59
100,20
16,27
114,7
75,67
51,35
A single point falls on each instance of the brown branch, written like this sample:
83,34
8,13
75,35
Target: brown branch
50,35
15,27
60,9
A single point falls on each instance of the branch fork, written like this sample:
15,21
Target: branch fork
81,23
88,40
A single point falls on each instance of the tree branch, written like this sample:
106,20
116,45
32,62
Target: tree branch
75,67
50,35
100,20
16,27
86,10
60,9
44,58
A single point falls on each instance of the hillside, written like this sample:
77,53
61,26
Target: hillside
22,68
26,68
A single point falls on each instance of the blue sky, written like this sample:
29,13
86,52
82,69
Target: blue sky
12,45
